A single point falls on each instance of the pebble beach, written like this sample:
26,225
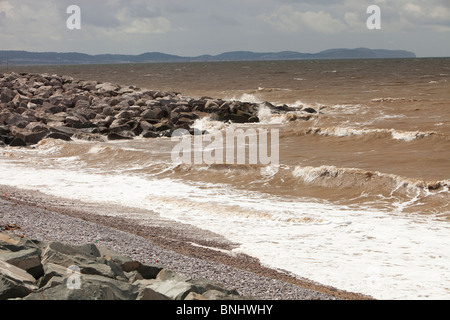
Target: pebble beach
181,248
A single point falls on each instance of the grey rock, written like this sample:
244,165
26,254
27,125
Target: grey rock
107,87
127,264
103,275
184,121
56,99
93,287
58,136
30,137
65,130
108,111
162,126
53,282
124,115
133,276
100,269
211,106
4,130
73,121
81,103
15,282
155,113
119,125
147,293
88,249
6,95
58,117
309,110
28,260
88,85
150,134
17,142
17,120
37,100
63,255
194,296
51,108
118,136
36,127
52,270
176,290
86,113
4,115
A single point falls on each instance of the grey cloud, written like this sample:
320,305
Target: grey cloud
142,10
204,26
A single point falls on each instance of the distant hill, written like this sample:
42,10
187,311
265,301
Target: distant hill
43,58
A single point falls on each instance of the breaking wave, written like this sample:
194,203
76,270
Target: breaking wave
344,185
348,131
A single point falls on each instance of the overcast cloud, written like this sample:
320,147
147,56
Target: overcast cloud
195,27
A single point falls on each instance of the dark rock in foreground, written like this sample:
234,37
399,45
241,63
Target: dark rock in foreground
36,270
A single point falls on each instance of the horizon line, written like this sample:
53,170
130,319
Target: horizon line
205,54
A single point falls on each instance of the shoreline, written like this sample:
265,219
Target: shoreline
182,248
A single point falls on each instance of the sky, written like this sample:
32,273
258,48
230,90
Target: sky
196,27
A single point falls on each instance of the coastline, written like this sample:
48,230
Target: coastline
182,248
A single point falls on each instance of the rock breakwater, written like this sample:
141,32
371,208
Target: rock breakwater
38,106
39,270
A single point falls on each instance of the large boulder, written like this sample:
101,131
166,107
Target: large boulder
77,121
58,136
4,130
17,120
119,125
52,108
36,270
17,142
122,135
107,87
28,260
146,293
155,114
163,126
30,137
36,127
64,255
15,282
92,287
6,95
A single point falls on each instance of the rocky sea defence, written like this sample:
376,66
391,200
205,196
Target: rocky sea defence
50,270
38,106
41,106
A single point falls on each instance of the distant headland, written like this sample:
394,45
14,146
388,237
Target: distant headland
58,58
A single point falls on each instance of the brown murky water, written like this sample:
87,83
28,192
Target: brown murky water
375,156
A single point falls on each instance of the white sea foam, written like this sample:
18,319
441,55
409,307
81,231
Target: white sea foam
395,134
266,116
301,105
409,135
384,254
206,123
415,186
247,97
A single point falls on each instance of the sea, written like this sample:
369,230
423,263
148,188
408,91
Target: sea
358,200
